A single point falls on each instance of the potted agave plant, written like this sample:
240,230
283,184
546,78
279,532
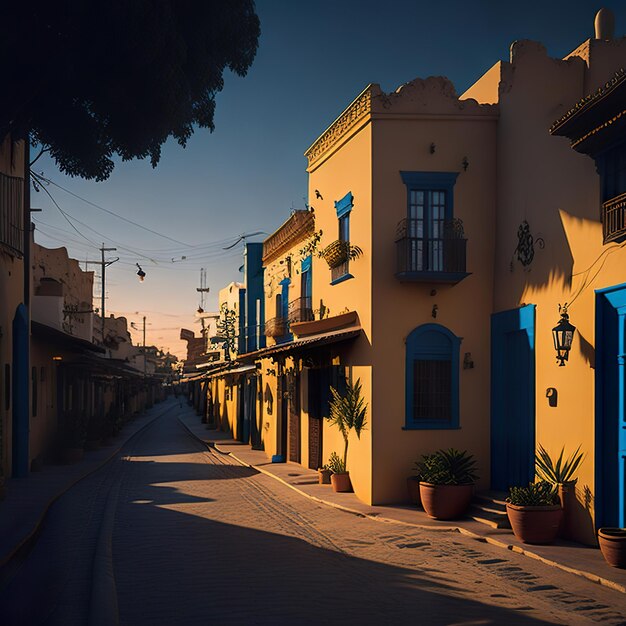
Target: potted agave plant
346,411
560,474
447,480
535,512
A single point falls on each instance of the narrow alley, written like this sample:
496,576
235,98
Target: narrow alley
170,532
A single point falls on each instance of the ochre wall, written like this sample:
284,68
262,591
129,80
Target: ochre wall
556,190
398,308
348,169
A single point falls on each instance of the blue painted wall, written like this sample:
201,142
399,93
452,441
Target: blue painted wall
610,409
513,397
20,389
253,278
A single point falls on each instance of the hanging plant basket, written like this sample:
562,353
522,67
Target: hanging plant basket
336,253
339,252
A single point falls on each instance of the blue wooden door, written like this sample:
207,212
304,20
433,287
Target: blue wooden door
610,423
512,397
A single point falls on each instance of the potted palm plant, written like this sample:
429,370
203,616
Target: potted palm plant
346,411
560,474
534,512
447,480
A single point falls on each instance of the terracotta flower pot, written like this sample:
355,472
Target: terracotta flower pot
535,524
323,476
413,487
341,482
613,546
445,502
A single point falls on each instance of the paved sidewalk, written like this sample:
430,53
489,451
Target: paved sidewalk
568,556
28,499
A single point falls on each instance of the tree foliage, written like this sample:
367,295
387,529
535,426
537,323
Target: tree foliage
89,80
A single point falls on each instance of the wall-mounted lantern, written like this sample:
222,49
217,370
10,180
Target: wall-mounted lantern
563,335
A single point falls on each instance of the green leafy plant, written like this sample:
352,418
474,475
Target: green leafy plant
448,467
347,411
560,472
420,466
336,464
541,493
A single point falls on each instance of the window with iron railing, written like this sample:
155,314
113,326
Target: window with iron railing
300,310
12,212
419,252
276,327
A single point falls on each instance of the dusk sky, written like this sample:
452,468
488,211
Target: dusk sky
313,59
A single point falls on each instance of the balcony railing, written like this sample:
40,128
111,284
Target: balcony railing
300,310
614,219
11,212
276,327
430,259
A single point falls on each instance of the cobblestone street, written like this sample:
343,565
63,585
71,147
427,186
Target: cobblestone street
169,532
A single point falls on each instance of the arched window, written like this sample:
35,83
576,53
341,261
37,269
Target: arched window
432,378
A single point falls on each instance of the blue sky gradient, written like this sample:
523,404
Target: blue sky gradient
313,59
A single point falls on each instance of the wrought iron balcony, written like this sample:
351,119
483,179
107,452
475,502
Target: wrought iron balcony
11,212
430,259
276,327
300,310
614,219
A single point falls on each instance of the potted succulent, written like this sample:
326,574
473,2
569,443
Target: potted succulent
447,480
346,411
323,475
613,546
535,512
560,474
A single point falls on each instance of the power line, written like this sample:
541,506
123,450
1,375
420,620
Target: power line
121,217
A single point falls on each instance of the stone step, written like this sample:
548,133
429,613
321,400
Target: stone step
495,498
494,520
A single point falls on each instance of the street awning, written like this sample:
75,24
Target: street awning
65,340
307,343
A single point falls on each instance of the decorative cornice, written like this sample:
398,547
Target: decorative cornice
590,99
360,107
299,226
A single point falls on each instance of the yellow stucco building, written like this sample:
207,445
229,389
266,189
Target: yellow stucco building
443,234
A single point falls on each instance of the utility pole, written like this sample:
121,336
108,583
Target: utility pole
144,346
103,264
134,325
202,289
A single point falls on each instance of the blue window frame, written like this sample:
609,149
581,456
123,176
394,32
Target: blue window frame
343,208
430,207
432,378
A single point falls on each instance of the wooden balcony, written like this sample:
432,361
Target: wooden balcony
430,259
276,327
300,310
614,219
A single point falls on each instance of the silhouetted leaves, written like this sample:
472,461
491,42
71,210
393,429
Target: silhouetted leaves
93,79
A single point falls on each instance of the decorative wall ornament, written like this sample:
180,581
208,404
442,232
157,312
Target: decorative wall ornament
525,251
349,118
